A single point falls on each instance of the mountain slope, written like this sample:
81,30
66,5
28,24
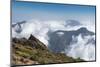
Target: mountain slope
32,51
60,40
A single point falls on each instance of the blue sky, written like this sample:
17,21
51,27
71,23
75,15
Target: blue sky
42,11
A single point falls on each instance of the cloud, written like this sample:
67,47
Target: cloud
60,33
40,30
79,48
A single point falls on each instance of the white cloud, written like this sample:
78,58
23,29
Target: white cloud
40,30
60,33
80,49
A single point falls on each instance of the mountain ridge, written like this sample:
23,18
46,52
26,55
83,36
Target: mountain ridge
59,43
24,51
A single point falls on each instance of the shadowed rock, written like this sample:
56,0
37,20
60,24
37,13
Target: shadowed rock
60,43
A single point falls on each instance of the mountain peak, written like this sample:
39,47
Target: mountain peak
83,29
36,42
32,37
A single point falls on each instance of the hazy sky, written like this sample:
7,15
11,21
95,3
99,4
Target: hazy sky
45,11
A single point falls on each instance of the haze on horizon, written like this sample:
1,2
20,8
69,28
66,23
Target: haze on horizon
49,11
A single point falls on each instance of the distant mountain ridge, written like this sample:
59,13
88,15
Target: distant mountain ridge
72,23
18,26
59,43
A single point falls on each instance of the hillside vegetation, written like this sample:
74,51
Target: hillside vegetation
32,51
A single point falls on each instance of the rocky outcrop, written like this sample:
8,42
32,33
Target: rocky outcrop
32,51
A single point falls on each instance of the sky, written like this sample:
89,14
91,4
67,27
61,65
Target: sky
45,11
49,18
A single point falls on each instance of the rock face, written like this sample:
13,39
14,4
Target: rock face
18,27
32,51
60,40
36,43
